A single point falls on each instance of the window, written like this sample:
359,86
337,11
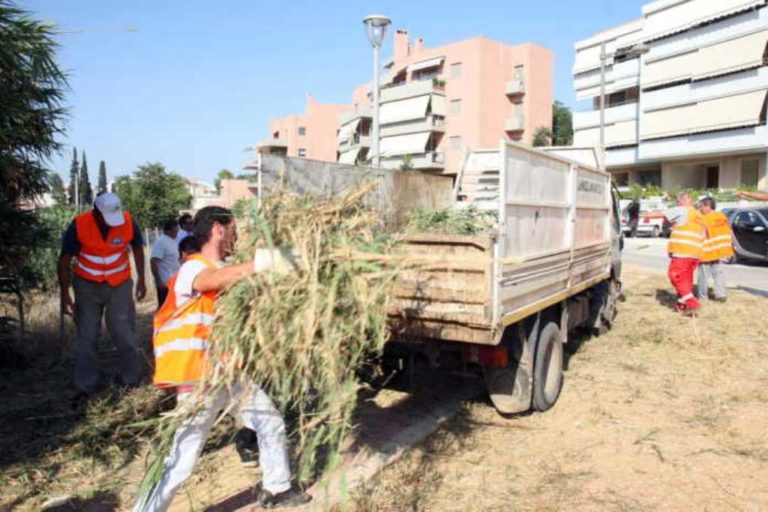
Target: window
747,220
455,142
302,130
749,173
276,135
455,107
456,69
302,153
519,76
621,179
648,178
426,74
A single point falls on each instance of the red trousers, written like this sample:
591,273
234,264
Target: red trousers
681,274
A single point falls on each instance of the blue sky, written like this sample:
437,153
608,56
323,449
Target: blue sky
200,79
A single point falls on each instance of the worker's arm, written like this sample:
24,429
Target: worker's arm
141,284
757,196
265,260
155,269
65,281
213,280
654,215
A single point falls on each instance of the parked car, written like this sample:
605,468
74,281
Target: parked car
653,227
750,232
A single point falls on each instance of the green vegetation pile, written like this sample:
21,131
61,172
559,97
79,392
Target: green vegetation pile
469,221
303,336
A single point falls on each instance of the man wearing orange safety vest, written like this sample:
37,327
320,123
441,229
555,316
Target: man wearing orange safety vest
685,248
99,243
182,334
717,247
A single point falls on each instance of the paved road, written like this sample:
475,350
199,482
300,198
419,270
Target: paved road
651,253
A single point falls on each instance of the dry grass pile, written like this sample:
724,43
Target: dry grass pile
469,221
302,336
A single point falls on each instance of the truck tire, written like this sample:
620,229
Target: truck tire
548,367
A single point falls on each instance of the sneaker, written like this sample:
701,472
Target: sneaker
290,498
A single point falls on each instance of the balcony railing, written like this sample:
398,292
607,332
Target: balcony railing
515,87
515,123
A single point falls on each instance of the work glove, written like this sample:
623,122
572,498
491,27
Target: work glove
281,261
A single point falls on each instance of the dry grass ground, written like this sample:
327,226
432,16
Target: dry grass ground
663,413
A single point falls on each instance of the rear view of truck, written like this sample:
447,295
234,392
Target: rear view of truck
506,299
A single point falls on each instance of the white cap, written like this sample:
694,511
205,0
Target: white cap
111,209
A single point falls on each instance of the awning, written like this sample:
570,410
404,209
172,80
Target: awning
350,157
438,105
738,110
413,143
741,53
404,110
587,59
670,69
425,64
348,129
687,14
734,111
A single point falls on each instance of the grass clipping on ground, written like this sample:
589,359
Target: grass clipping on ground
302,336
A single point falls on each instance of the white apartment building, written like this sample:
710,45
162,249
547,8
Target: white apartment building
685,89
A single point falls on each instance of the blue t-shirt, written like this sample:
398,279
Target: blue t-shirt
71,245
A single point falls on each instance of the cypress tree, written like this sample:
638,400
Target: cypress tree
86,192
74,175
102,176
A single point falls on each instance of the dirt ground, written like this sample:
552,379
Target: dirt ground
662,413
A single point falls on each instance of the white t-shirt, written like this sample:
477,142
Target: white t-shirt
183,288
166,250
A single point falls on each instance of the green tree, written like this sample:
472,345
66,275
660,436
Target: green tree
407,163
224,174
74,177
153,195
102,177
85,188
58,194
562,125
32,116
542,137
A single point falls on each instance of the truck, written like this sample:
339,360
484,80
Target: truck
504,301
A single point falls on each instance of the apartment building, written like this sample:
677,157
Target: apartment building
685,89
438,102
311,135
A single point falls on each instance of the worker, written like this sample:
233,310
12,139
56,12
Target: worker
182,329
185,226
754,196
717,247
685,247
99,242
164,258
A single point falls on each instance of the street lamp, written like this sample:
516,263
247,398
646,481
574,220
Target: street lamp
635,51
376,30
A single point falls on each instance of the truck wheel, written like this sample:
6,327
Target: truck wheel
548,368
509,388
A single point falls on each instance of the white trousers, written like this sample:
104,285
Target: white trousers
256,411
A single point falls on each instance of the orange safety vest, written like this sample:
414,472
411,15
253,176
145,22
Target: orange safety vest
719,242
687,240
102,260
181,334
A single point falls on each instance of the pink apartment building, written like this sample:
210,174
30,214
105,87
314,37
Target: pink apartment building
436,103
311,135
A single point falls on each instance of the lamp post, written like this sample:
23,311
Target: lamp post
376,30
635,51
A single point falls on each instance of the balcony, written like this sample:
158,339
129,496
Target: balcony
615,113
412,89
351,115
426,124
272,146
419,161
515,123
515,87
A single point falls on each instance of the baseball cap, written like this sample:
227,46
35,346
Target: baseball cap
111,209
